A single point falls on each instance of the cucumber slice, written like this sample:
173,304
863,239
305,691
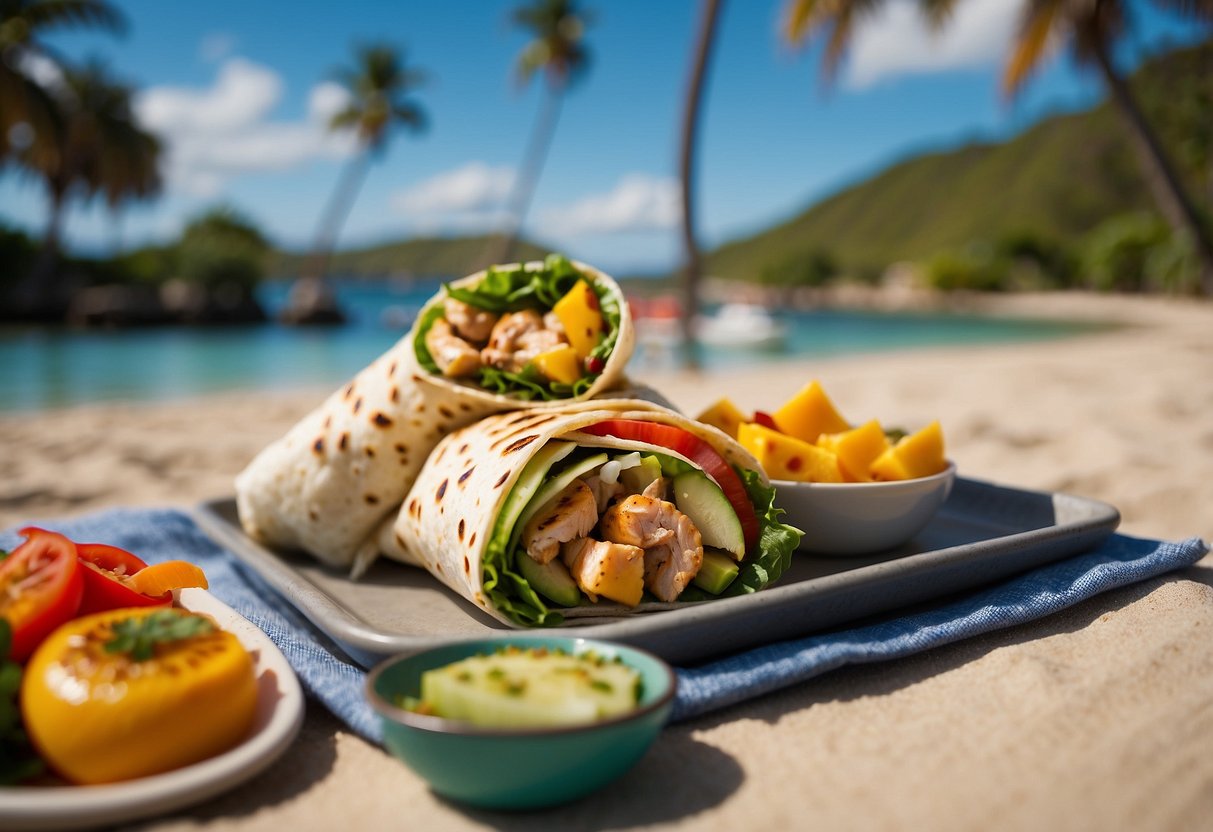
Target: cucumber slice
702,500
550,489
518,687
529,481
639,478
716,573
551,580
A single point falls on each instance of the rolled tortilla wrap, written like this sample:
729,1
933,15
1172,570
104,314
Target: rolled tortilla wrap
463,518
329,484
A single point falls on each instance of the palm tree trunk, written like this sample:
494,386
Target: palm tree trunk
522,191
1160,174
335,214
39,296
686,167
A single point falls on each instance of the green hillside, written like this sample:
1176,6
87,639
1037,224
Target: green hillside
1057,180
418,257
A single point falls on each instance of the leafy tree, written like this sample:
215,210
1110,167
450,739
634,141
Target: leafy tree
379,84
27,109
556,51
98,149
222,247
1091,28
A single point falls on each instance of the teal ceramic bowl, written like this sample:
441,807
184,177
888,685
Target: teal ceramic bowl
529,768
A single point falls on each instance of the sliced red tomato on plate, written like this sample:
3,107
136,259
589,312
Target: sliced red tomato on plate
40,588
698,451
107,586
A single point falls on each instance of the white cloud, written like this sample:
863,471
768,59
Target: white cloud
639,202
468,197
215,133
899,42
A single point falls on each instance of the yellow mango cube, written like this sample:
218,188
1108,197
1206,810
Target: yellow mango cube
785,457
581,318
809,414
856,449
559,364
920,454
723,415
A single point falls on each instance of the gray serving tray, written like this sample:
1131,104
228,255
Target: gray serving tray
982,534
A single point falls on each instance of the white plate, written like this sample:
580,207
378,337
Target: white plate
278,719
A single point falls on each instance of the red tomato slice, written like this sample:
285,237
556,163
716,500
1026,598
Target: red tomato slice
105,570
40,588
696,450
765,419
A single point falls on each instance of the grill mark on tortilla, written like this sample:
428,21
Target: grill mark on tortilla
501,481
441,492
463,477
519,444
400,448
418,379
395,394
344,441
371,499
419,407
467,565
438,566
358,404
472,540
318,446
463,449
349,390
539,421
446,411
465,407
461,529
400,542
369,450
414,508
382,420
328,422
391,369
313,515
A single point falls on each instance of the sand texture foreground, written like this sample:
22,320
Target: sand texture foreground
1097,718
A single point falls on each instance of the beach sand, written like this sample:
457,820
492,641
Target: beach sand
1100,717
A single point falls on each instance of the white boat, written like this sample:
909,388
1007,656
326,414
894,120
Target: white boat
734,325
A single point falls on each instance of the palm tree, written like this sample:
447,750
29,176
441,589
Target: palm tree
97,149
692,276
1092,28
378,85
23,101
558,52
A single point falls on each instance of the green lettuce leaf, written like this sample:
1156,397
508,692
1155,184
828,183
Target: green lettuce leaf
776,541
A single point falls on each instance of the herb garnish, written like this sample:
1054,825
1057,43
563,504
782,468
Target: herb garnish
139,636
18,761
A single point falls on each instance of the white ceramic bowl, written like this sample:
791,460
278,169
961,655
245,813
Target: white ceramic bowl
861,518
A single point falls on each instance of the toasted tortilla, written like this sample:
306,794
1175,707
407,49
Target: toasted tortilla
449,515
341,473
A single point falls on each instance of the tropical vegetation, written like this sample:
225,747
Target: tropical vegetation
558,53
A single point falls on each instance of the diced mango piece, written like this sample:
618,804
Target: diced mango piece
856,449
724,415
917,455
785,457
582,319
809,414
559,364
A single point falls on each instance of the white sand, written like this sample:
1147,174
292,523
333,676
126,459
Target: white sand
1098,718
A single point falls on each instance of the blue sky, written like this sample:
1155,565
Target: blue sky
239,91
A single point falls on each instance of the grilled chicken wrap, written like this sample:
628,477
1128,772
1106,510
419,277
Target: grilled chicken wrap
595,509
518,336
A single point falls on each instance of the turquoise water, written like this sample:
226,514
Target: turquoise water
53,368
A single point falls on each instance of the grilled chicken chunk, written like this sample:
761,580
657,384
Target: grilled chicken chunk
570,514
517,338
453,355
604,492
673,547
470,323
612,570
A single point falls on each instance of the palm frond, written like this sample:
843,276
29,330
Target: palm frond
1038,27
41,15
801,19
938,13
1200,9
